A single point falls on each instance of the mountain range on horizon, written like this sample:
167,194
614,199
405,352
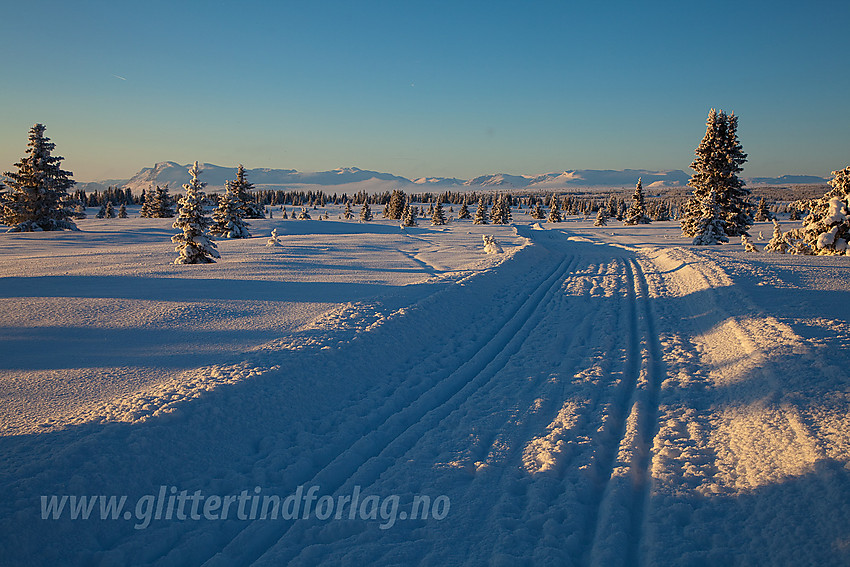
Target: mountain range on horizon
352,179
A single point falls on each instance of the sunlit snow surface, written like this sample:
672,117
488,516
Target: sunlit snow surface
590,396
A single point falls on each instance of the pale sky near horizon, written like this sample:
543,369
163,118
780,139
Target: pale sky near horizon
439,88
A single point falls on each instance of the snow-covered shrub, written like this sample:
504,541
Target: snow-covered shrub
826,229
490,244
747,244
778,242
272,241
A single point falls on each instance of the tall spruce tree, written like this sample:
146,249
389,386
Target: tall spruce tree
147,204
158,204
251,209
396,206
438,218
762,212
537,212
554,210
228,215
636,214
193,244
601,217
501,211
39,197
718,162
365,212
480,212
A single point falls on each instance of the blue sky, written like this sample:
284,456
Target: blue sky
425,88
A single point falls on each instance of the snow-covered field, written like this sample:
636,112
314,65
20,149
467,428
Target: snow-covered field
592,396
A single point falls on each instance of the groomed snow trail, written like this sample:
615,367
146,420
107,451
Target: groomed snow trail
586,402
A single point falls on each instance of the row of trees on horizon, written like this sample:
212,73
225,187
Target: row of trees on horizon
719,207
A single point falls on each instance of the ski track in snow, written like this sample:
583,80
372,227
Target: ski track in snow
588,400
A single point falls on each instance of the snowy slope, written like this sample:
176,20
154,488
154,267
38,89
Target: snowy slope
593,396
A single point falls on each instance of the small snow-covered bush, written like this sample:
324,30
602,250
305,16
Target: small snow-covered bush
490,244
747,244
273,241
777,243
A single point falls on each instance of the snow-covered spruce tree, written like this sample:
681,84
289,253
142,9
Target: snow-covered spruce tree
636,214
554,210
762,212
251,209
164,203
408,216
304,215
601,217
480,212
158,204
395,208
193,244
718,162
122,211
793,212
826,229
227,216
501,211
711,228
438,217
463,212
38,198
365,212
80,211
537,212
107,211
347,214
147,204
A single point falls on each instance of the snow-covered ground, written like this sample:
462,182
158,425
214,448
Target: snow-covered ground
591,396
